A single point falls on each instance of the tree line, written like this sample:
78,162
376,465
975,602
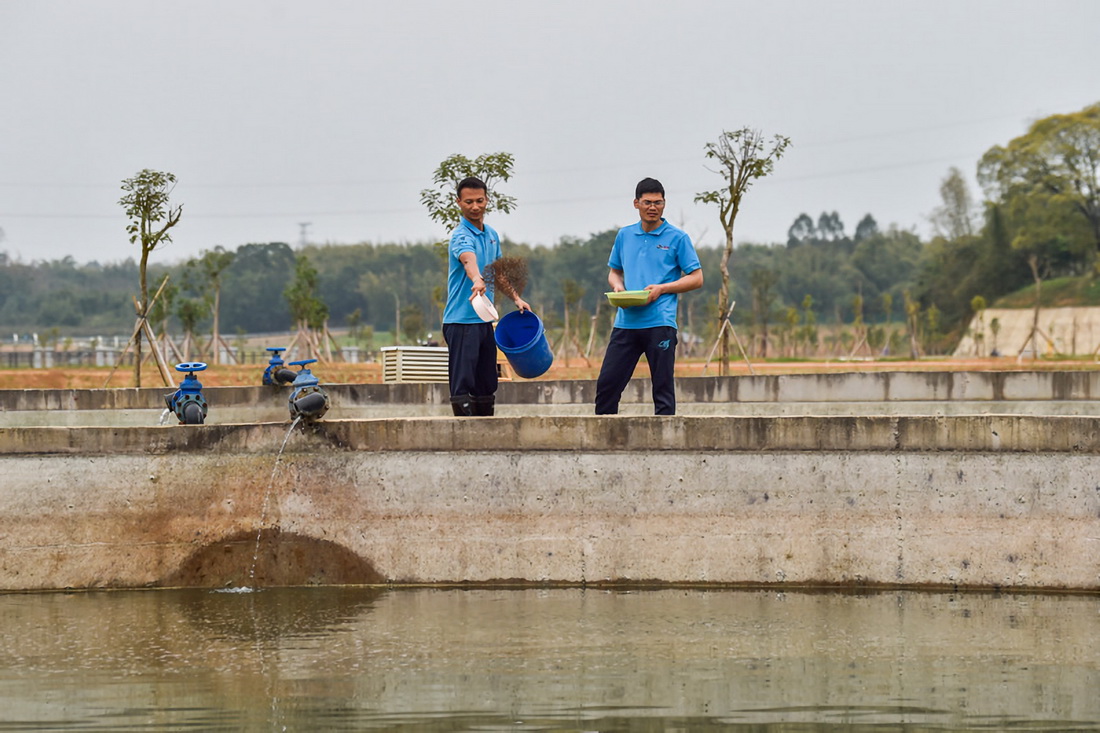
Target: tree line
825,290
388,287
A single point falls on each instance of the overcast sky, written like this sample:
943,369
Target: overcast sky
336,113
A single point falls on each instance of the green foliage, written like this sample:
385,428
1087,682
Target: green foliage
162,309
146,204
742,157
377,279
492,168
205,276
832,267
1058,292
1041,202
252,288
89,298
1054,166
213,263
955,218
412,323
190,312
302,295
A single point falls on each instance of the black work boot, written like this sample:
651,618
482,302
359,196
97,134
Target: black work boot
483,406
463,405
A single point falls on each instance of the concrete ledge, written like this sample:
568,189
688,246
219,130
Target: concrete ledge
968,433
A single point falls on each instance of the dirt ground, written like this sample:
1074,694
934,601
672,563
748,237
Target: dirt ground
342,373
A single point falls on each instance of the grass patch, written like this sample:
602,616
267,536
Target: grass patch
1059,292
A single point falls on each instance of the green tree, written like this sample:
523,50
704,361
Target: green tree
913,321
1056,163
932,322
829,226
492,168
801,231
355,322
162,309
572,293
951,272
742,157
809,332
306,306
412,322
791,317
876,339
213,263
146,202
866,227
252,285
189,312
978,305
763,296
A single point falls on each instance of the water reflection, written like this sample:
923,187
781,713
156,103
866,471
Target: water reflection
348,658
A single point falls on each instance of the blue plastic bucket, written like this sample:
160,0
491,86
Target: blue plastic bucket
521,337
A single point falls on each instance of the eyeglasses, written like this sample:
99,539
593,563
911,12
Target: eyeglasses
650,204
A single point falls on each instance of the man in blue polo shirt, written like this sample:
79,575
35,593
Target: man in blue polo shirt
651,255
471,348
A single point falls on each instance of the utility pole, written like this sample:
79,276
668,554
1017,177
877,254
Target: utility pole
303,226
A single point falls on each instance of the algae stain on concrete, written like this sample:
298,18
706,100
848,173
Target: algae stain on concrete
279,558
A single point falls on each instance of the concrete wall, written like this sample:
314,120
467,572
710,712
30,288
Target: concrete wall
847,393
1068,330
989,500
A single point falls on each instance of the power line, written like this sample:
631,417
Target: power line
578,169
779,179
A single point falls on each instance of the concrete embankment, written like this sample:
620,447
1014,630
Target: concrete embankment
1009,501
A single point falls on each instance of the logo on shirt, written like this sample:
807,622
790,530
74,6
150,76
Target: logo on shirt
664,247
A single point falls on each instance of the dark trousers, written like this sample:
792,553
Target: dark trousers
471,359
623,351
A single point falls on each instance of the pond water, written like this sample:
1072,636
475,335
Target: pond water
352,658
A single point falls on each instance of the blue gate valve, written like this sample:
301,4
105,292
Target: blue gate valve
187,402
308,400
276,373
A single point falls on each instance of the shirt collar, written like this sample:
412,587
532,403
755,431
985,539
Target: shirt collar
474,229
661,229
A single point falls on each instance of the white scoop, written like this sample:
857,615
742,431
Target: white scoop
484,308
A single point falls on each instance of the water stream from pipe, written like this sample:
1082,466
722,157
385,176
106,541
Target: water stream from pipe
263,509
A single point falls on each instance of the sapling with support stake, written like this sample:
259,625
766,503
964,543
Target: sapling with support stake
146,204
742,157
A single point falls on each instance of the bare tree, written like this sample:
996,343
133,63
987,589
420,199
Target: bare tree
742,157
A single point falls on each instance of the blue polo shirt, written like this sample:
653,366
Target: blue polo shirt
652,258
485,244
